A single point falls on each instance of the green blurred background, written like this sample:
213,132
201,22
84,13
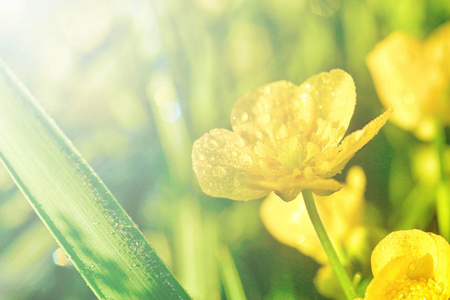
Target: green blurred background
133,83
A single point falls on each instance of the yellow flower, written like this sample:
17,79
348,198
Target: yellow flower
413,78
285,138
341,213
410,264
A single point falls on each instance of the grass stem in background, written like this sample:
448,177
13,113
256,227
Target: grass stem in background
442,192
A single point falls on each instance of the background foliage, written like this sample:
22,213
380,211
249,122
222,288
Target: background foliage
134,83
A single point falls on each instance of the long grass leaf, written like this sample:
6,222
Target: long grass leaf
98,236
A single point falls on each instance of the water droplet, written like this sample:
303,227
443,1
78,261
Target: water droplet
358,134
219,171
239,179
244,117
412,266
239,141
258,135
197,156
264,119
300,239
233,153
409,98
246,159
211,144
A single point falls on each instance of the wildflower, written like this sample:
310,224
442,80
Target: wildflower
341,213
410,264
285,138
413,78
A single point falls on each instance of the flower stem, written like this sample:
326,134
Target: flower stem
442,193
338,268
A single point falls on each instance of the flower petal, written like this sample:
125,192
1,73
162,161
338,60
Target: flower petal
405,79
393,276
288,188
334,95
265,112
282,109
413,244
438,46
289,223
225,166
442,271
353,143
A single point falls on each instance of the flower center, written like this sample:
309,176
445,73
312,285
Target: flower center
405,288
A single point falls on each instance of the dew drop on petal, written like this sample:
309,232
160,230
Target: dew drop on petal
211,144
244,117
246,159
239,141
264,119
198,156
219,171
239,179
358,134
300,239
258,135
409,98
412,266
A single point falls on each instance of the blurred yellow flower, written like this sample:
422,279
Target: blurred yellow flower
285,138
413,78
410,264
341,213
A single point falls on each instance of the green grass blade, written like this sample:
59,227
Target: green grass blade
232,282
103,243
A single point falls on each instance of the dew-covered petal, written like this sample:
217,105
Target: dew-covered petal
226,166
392,280
334,96
413,244
352,143
405,79
442,271
272,111
282,109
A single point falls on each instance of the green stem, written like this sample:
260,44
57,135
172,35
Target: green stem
338,268
442,193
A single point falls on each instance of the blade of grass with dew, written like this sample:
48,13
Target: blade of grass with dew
98,236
